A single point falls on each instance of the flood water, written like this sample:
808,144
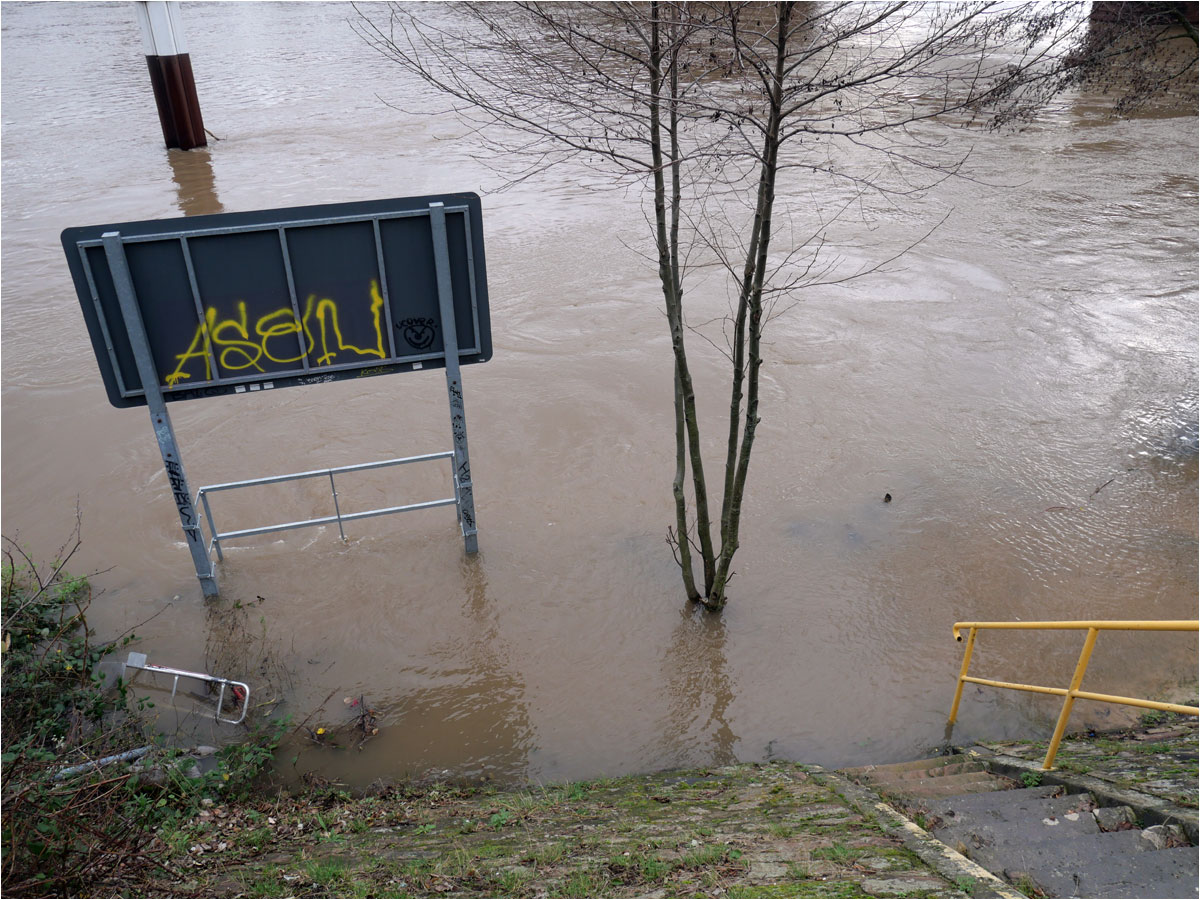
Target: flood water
1023,383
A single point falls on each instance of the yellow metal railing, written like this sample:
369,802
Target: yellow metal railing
1073,692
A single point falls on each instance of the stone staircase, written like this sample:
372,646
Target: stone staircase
1044,839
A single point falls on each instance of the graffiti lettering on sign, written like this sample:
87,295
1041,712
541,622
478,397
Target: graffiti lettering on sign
237,344
374,370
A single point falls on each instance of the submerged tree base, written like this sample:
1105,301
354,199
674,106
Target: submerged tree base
710,110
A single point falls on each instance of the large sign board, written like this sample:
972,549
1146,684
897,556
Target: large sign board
211,305
272,298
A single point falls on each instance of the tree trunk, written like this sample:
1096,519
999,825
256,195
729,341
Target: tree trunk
748,348
667,241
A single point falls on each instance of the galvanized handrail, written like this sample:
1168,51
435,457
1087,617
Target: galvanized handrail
1071,693
339,517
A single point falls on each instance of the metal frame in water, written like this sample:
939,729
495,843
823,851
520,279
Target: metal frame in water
138,661
338,516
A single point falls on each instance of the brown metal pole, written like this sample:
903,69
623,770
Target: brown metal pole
171,75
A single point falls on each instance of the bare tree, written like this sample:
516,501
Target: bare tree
709,107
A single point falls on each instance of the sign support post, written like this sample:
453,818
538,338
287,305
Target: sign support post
463,490
114,250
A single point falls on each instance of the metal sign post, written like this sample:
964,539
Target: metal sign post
114,250
458,415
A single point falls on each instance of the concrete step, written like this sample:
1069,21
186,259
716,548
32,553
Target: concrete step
1056,843
959,768
1022,805
996,844
1038,838
975,803
923,790
889,770
1009,830
1097,867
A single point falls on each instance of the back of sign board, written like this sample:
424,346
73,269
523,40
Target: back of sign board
273,298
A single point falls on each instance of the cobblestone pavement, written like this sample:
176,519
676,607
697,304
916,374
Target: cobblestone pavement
752,830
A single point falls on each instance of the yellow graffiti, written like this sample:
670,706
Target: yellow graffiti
235,348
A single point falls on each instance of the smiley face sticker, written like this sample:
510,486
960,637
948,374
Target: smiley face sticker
419,333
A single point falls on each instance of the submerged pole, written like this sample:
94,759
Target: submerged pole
168,446
171,74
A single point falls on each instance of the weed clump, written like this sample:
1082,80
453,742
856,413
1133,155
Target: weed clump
75,816
60,832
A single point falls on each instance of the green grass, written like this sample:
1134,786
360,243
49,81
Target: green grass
578,791
839,853
510,881
325,872
1149,749
1026,886
704,857
584,883
456,863
256,839
548,854
266,883
798,872
806,888
632,868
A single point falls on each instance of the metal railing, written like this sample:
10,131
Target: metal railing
1071,693
338,516
240,690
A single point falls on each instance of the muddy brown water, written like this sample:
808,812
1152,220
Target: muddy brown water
1022,384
